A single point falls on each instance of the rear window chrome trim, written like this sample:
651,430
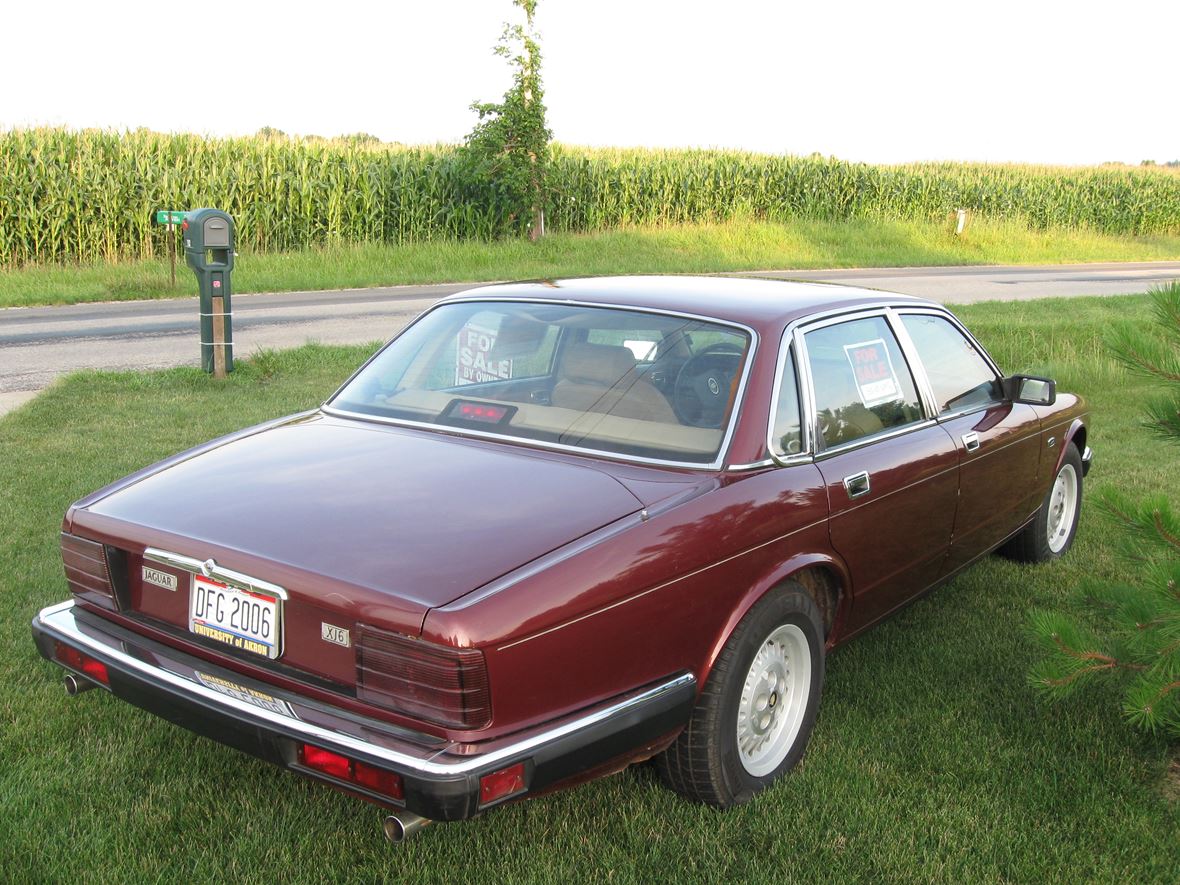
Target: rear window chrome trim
716,464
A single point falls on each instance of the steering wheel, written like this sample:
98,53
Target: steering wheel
700,395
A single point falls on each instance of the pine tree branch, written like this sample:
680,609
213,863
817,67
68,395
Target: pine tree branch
1160,695
1166,301
1076,674
1111,506
1157,519
1105,662
1136,360
1150,625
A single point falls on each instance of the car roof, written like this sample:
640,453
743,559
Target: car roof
751,301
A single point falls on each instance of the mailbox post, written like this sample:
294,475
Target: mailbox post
209,251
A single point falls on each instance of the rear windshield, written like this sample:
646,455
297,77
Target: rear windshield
601,379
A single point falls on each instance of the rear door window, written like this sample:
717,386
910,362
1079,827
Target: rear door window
862,383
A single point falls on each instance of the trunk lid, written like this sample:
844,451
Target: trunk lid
357,522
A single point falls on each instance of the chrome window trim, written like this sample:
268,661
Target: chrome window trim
804,422
58,620
716,464
880,436
792,334
950,416
753,465
917,367
806,396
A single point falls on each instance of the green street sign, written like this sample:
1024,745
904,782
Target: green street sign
169,216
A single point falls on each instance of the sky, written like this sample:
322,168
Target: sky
992,80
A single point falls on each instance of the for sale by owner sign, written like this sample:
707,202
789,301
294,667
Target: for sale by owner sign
876,381
473,362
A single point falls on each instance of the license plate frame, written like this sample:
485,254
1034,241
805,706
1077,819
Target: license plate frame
214,607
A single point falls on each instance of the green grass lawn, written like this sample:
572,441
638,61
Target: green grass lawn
690,249
932,761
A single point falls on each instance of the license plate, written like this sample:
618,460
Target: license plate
244,619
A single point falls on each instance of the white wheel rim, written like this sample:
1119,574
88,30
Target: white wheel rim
1063,504
774,698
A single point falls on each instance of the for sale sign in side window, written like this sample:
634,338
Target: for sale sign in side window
474,362
876,381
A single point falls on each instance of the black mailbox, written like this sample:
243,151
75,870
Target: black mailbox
209,251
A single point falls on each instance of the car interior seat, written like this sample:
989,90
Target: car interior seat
605,378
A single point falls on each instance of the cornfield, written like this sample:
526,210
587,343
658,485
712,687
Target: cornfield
91,196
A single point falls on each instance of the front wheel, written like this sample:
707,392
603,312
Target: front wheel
1052,530
756,711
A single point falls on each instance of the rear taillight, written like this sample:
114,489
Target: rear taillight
433,683
353,771
82,663
87,571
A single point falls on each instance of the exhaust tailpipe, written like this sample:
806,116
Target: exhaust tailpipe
401,825
76,684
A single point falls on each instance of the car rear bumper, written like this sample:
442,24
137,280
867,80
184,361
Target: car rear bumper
441,779
1087,460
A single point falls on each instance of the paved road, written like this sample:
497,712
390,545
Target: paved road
39,344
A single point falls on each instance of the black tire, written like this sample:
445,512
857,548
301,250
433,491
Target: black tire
705,763
1044,539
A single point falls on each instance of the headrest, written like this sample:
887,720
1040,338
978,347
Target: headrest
601,364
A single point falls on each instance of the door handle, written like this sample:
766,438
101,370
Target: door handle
857,485
971,441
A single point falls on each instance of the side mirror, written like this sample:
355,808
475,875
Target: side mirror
1031,390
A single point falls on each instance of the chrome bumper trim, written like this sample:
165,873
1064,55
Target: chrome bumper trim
59,622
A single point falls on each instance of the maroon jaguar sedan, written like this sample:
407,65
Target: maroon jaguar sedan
555,528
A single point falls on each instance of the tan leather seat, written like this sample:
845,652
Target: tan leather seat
834,383
604,378
849,423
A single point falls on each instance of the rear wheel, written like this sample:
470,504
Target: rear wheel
756,711
1052,530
